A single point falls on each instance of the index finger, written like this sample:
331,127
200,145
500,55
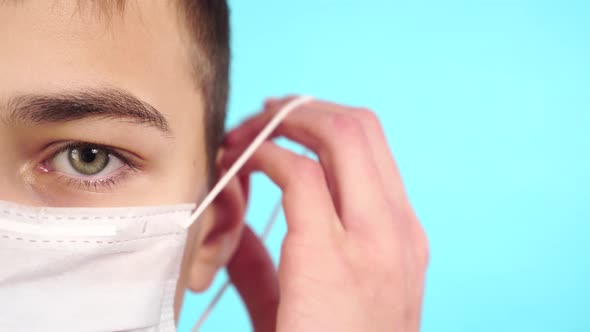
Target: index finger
344,152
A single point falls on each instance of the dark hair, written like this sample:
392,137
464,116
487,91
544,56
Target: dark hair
208,22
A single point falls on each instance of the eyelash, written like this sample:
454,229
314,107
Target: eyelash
96,184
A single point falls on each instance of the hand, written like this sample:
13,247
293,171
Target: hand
354,257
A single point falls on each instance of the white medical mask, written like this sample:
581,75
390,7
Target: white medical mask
114,269
99,269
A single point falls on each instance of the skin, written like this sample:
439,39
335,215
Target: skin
143,50
354,249
355,255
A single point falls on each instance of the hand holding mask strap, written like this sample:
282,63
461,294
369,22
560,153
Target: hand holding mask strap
233,170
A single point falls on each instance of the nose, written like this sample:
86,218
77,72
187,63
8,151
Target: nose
13,180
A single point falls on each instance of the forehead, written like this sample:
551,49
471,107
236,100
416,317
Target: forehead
53,45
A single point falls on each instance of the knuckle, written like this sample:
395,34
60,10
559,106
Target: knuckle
275,104
273,109
307,169
422,248
347,127
368,116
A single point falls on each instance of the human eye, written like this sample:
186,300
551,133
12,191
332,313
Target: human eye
88,166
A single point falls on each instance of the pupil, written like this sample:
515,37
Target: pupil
88,155
88,160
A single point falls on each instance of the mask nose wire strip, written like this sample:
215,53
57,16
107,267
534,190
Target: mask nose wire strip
233,170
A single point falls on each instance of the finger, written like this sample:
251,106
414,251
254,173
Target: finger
421,257
253,274
379,148
239,135
245,184
343,149
306,199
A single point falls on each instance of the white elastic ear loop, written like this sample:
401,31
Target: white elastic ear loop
265,233
235,168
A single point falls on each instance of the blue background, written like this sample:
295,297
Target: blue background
487,108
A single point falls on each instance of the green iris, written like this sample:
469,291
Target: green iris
88,160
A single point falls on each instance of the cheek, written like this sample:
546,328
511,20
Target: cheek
185,175
193,185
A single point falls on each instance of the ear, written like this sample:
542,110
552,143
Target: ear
219,234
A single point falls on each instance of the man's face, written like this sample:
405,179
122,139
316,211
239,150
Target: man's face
100,108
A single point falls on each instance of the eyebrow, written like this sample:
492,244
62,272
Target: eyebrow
107,103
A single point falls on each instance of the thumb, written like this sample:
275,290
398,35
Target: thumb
253,274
